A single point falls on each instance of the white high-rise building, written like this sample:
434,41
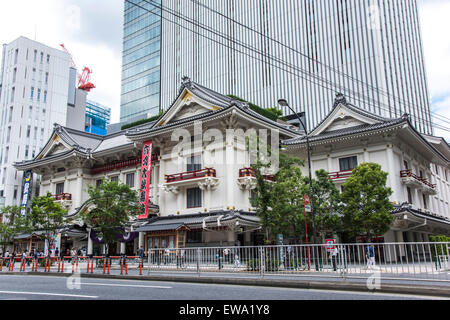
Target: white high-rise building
306,52
37,90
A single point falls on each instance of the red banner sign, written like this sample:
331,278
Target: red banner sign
146,171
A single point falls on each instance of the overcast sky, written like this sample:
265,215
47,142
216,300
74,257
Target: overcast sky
92,31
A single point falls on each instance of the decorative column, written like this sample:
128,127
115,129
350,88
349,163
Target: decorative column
90,244
122,248
79,196
141,239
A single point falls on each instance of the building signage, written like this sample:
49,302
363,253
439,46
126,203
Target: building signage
146,170
28,177
330,244
307,204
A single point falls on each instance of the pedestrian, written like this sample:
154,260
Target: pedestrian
237,262
7,256
334,254
57,252
226,253
73,253
141,252
370,255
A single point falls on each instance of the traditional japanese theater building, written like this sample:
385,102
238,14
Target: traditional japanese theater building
199,192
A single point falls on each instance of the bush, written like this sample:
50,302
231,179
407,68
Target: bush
440,249
141,122
270,265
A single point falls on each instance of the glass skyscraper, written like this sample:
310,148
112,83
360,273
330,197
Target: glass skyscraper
263,50
306,52
98,117
141,70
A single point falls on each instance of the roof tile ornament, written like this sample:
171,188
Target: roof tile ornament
340,99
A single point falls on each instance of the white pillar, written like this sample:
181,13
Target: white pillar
90,244
78,197
122,248
141,239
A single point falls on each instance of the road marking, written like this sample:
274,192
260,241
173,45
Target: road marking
49,294
123,285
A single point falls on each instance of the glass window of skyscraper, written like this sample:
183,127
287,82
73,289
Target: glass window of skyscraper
141,61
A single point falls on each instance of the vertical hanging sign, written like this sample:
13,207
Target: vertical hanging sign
28,177
146,170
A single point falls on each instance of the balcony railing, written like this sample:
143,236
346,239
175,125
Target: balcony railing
63,197
118,165
250,172
340,175
208,172
410,174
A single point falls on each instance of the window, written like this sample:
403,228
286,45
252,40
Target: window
45,96
16,56
15,193
405,164
446,175
42,57
348,164
98,183
11,109
60,188
28,131
6,154
410,200
32,93
14,74
35,133
46,78
48,58
13,93
115,179
194,236
39,95
130,180
27,151
425,205
436,169
34,74
8,137
194,198
35,55
194,163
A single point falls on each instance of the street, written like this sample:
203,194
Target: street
60,288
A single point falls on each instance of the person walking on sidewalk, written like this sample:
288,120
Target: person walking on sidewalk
370,255
334,254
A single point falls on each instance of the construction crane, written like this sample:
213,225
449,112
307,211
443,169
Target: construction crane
84,79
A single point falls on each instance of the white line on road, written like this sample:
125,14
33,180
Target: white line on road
49,294
122,285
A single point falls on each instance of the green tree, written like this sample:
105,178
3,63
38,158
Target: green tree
114,205
367,208
326,203
48,216
279,203
13,225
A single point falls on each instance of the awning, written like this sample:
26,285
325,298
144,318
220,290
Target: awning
161,227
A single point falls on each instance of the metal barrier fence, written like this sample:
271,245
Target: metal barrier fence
414,261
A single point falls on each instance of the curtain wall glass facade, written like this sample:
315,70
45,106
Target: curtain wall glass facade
141,71
304,51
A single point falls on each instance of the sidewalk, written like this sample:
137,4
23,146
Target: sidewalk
423,288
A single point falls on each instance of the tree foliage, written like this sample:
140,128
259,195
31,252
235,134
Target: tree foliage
114,205
13,225
326,204
367,208
48,216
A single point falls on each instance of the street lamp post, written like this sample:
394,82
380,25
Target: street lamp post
284,103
